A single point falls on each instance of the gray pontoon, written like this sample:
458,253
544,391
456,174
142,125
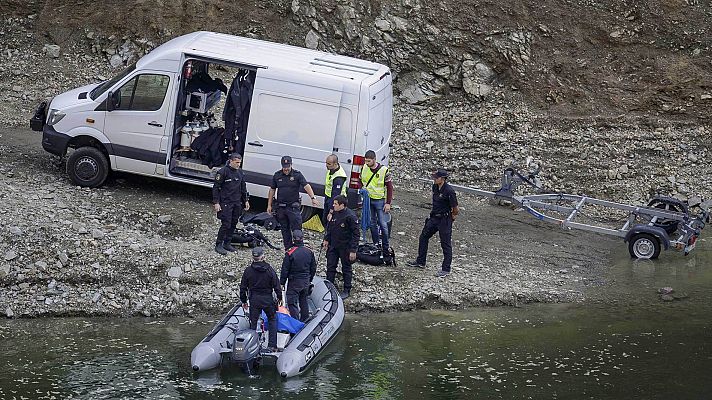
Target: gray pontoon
231,342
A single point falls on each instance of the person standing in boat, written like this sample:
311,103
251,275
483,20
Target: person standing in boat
259,283
299,268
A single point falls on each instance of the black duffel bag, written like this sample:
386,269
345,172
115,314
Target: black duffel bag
371,254
264,219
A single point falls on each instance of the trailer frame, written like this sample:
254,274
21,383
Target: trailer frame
665,223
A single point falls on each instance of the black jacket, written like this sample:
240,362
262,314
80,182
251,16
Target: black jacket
342,232
230,187
259,278
299,263
237,109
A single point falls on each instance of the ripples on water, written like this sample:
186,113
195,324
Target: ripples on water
646,349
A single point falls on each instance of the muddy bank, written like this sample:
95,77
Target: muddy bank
142,246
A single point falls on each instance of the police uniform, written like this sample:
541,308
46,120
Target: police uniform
334,186
299,267
287,206
230,191
374,181
259,282
440,220
342,233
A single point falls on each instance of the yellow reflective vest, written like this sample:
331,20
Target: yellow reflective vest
377,187
340,173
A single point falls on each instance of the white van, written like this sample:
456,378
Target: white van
160,116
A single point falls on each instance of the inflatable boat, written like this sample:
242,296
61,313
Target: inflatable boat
231,341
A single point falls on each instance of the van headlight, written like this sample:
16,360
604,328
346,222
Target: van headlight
54,116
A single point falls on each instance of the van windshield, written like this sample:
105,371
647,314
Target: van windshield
104,86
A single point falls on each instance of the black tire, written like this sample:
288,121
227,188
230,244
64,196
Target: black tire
87,167
668,225
644,246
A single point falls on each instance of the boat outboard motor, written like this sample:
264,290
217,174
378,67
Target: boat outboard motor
246,349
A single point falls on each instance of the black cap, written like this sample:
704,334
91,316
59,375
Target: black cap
297,235
440,173
286,161
235,156
258,252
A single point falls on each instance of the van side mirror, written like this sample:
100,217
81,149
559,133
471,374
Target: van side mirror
113,101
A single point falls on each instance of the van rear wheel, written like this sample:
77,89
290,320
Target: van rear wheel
307,212
87,167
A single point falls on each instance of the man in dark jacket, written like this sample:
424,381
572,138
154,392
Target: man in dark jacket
299,267
442,216
229,198
259,283
341,242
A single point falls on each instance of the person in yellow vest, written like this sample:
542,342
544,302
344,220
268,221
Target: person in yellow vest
376,179
335,184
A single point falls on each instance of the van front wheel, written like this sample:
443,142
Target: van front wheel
87,167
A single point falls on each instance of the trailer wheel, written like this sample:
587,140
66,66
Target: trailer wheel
670,226
644,246
87,167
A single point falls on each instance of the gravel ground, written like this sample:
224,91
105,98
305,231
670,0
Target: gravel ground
139,246
144,246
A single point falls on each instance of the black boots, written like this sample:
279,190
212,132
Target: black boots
220,249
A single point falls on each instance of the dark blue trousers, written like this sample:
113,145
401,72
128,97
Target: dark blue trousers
290,219
333,255
259,302
443,226
297,298
229,215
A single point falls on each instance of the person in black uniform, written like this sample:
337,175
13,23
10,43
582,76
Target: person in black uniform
287,183
229,198
441,218
259,282
341,242
299,267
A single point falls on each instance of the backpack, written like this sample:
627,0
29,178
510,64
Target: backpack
264,219
370,254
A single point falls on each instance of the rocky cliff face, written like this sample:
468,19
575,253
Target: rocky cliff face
573,58
613,97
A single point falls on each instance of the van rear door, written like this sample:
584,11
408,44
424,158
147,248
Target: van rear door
380,118
299,119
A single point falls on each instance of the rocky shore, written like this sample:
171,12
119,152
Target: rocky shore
139,246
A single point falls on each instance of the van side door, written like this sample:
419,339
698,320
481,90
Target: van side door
139,121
